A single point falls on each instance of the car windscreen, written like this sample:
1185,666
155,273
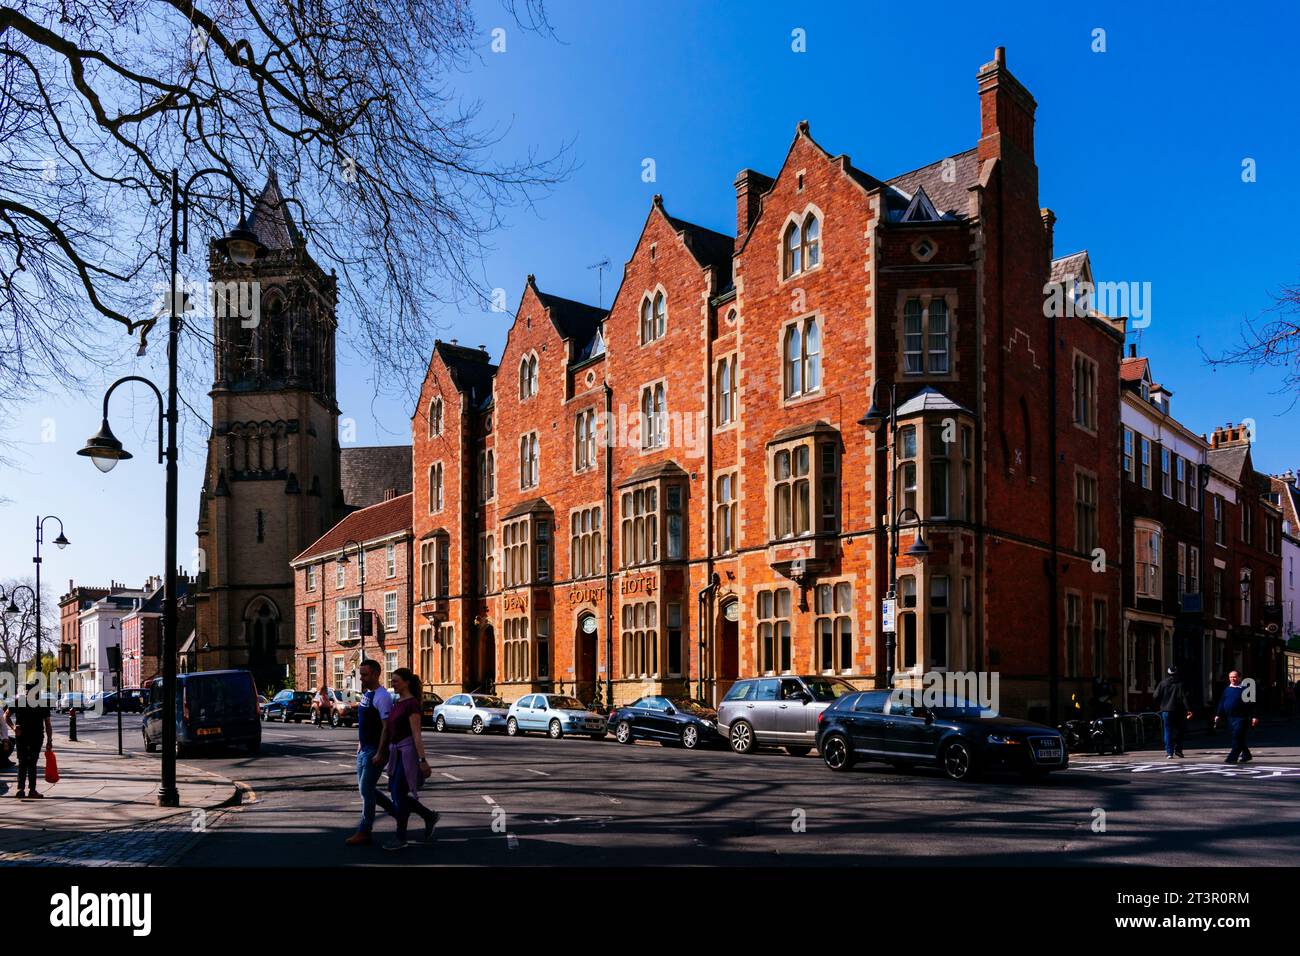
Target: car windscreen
483,701
564,703
229,695
826,689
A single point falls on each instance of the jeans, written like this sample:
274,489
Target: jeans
29,754
368,784
1175,725
1240,727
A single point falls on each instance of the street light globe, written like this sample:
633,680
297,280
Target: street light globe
104,450
61,542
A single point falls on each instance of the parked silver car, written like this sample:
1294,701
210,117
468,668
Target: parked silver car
555,715
473,712
777,712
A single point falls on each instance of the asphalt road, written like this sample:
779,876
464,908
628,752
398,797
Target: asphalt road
575,802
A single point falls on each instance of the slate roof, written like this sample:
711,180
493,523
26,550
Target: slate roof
270,220
929,400
1076,265
575,321
710,248
532,506
663,469
949,198
367,524
367,473
471,372
1229,460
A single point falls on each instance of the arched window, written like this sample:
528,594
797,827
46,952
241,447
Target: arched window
277,341
801,246
793,256
528,466
435,418
528,377
435,487
647,323
802,357
726,391
654,317
660,316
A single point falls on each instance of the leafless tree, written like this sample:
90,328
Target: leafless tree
1271,341
395,181
18,630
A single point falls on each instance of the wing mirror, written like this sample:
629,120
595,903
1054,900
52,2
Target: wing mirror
670,711
928,715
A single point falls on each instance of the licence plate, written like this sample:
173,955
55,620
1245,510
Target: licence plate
1052,753
206,731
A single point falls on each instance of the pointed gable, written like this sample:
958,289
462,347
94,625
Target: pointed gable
270,219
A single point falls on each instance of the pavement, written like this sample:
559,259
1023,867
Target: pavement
575,802
104,808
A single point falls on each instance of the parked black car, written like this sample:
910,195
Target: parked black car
288,705
429,701
213,708
676,720
892,727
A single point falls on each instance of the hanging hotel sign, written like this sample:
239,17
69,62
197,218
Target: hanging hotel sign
732,611
588,627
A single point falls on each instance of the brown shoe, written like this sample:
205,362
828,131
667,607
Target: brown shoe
358,839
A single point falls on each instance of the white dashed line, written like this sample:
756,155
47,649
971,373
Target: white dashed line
489,801
539,773
452,756
452,776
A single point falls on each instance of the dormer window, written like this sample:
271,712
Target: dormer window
654,318
802,245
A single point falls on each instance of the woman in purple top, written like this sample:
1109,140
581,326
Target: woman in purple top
403,748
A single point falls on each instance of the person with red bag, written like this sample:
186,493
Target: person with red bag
31,730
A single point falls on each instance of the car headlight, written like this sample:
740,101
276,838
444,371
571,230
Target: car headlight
996,740
710,724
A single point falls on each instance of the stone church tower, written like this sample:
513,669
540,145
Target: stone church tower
272,482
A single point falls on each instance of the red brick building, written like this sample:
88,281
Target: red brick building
677,492
352,597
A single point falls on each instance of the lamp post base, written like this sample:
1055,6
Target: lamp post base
169,797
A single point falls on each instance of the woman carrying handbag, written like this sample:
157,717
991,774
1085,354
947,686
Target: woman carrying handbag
402,748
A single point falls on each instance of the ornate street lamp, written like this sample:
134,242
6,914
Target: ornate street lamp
104,449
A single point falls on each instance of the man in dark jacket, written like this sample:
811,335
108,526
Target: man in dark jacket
1175,706
1239,712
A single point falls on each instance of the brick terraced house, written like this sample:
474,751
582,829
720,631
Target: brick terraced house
352,597
678,491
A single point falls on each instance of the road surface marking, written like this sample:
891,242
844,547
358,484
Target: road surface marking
453,756
489,801
539,773
452,776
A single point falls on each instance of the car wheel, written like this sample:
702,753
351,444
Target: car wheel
512,727
958,761
742,737
798,751
440,724
837,753
555,730
335,720
690,737
623,732
284,716
477,726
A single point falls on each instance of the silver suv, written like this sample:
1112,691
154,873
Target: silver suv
777,711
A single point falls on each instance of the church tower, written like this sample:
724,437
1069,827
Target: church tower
271,485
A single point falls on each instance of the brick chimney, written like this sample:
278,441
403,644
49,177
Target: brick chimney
1230,434
1006,111
750,186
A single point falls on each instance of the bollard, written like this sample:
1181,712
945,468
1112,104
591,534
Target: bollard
72,725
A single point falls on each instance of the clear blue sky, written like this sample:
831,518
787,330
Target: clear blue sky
1139,148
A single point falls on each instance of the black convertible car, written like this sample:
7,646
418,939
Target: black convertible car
670,720
894,728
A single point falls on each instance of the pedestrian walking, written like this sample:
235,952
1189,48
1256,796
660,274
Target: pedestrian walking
1175,706
6,736
402,748
372,711
1240,715
31,729
322,706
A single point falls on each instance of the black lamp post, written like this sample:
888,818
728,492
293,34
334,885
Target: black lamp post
877,419
361,576
61,542
242,247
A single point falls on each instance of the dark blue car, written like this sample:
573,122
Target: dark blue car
670,720
213,709
962,740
